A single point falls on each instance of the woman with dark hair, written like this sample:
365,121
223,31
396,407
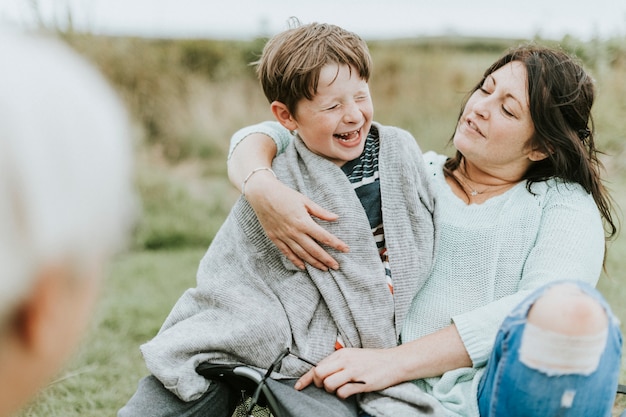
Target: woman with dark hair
560,96
508,322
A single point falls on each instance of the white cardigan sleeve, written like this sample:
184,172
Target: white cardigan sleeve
280,135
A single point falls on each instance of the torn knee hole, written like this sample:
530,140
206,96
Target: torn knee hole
560,354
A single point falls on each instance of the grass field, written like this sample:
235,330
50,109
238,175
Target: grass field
140,290
184,115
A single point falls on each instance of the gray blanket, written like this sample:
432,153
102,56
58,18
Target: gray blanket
250,302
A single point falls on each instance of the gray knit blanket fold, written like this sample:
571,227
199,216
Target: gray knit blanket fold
250,302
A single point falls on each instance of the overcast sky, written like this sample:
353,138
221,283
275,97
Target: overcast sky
369,18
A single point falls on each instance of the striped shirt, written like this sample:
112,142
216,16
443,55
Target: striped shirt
363,175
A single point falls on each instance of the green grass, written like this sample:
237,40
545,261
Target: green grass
612,284
139,292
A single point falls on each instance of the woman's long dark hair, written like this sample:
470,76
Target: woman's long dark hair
560,97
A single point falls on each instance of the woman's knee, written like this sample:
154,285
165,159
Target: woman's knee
566,332
566,309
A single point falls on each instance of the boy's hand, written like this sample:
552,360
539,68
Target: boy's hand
285,215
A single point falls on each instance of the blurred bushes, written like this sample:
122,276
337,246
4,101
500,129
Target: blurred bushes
161,81
219,60
187,97
176,215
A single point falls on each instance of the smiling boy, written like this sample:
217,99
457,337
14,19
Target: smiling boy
315,78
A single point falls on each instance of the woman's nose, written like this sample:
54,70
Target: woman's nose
481,107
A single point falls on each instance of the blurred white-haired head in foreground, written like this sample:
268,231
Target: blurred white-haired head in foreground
66,204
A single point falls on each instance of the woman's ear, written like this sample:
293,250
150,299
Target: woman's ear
537,155
283,115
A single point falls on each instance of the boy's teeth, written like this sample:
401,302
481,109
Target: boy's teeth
346,136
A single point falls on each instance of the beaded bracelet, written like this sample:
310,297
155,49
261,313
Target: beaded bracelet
254,171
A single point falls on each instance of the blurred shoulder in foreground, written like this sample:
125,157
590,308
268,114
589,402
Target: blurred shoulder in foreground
66,204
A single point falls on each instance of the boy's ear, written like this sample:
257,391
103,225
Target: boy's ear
283,115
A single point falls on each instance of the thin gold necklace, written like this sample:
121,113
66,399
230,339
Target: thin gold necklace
473,191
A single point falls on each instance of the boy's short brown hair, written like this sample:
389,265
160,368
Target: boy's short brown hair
291,62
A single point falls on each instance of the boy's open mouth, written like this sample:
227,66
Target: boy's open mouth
347,136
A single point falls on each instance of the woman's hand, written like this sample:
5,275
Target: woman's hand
285,215
350,371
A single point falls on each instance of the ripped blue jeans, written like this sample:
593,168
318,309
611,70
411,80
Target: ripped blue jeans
511,388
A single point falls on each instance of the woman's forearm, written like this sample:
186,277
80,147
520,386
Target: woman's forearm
285,214
376,369
432,355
